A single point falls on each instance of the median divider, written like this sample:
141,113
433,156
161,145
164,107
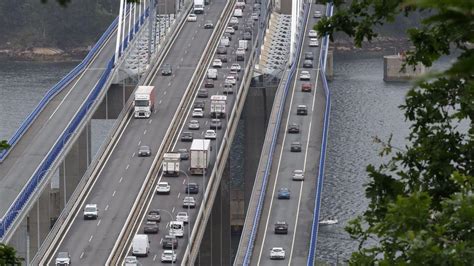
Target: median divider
120,248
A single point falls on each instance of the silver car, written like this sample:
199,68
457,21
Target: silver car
189,202
193,124
144,151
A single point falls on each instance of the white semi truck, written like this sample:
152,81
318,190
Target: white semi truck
218,103
171,163
144,101
198,6
200,153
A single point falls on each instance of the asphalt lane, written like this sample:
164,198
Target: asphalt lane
118,184
32,148
170,205
297,211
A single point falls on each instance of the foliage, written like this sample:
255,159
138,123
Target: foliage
66,2
4,145
8,256
420,209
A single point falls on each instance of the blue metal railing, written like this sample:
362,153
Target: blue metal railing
322,157
261,198
44,168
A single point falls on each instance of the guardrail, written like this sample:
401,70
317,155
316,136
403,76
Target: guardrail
256,221
37,178
322,157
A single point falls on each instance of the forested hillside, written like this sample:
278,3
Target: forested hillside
30,23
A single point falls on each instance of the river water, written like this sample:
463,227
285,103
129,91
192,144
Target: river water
363,106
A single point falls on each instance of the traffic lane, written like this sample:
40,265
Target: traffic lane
305,219
156,144
155,247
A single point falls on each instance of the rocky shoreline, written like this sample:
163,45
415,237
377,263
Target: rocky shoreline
49,54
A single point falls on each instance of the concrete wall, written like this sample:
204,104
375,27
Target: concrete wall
392,65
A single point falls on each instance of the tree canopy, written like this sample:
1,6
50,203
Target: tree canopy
8,256
421,200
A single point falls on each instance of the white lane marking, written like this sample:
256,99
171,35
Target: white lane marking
98,223
90,238
155,111
172,210
164,93
182,59
154,257
167,224
133,155
128,165
169,84
107,207
144,132
159,102
82,255
184,181
205,123
279,159
113,194
120,181
179,194
151,120
140,142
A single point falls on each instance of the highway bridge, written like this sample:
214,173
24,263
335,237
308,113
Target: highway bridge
123,184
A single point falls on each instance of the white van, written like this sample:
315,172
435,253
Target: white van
225,41
238,13
140,245
176,228
212,73
244,44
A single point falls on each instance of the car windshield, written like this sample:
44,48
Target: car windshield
90,209
63,255
162,185
141,102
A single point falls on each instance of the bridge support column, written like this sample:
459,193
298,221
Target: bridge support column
116,97
74,165
215,247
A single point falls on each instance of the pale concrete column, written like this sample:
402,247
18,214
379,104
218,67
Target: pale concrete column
39,221
116,97
329,65
74,165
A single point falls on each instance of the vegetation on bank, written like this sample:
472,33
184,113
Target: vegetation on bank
421,201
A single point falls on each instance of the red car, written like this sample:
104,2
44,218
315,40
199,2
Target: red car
306,87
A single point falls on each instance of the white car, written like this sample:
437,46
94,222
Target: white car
63,258
313,34
235,67
231,80
197,112
131,261
189,202
182,217
234,20
225,41
304,75
210,134
163,188
313,42
192,18
217,63
298,175
168,256
255,16
91,211
277,253
230,30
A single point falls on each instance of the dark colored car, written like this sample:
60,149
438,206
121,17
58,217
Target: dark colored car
221,50
166,70
192,188
209,83
187,136
308,63
150,228
153,215
281,227
295,146
247,36
199,104
209,25
306,87
223,58
215,124
308,55
248,30
170,242
144,151
301,110
284,193
203,93
184,154
293,128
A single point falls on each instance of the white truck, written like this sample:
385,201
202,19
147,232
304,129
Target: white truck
176,228
240,53
140,245
218,103
244,44
200,153
198,6
171,163
144,101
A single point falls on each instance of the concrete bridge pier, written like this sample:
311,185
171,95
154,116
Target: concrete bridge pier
114,100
